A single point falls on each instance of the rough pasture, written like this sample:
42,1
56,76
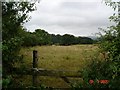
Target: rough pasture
59,58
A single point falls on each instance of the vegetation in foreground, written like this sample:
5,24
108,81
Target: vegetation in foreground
110,45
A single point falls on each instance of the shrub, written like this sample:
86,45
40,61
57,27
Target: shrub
110,67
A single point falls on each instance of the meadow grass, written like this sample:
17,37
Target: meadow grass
73,57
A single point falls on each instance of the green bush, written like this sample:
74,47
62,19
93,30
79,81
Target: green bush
110,67
14,15
99,70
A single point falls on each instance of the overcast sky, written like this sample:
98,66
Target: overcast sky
76,17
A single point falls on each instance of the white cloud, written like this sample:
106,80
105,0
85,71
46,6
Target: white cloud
75,17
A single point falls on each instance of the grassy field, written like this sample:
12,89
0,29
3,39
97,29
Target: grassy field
61,58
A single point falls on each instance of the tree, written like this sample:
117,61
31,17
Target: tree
14,15
86,40
67,39
42,36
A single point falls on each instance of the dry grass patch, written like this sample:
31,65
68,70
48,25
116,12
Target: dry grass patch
72,57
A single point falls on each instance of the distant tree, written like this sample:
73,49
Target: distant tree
59,39
56,39
67,39
85,40
53,39
42,36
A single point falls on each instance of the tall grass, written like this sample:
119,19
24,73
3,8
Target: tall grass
72,57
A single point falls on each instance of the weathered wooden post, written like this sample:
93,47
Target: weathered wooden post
35,66
35,59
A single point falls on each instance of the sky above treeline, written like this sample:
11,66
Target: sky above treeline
76,17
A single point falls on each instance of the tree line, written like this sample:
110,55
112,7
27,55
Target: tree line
41,37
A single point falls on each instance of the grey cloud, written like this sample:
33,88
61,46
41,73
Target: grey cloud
77,18
79,5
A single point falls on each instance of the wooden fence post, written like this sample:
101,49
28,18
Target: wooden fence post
35,65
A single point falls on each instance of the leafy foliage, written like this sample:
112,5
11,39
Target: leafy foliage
109,68
110,43
14,15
